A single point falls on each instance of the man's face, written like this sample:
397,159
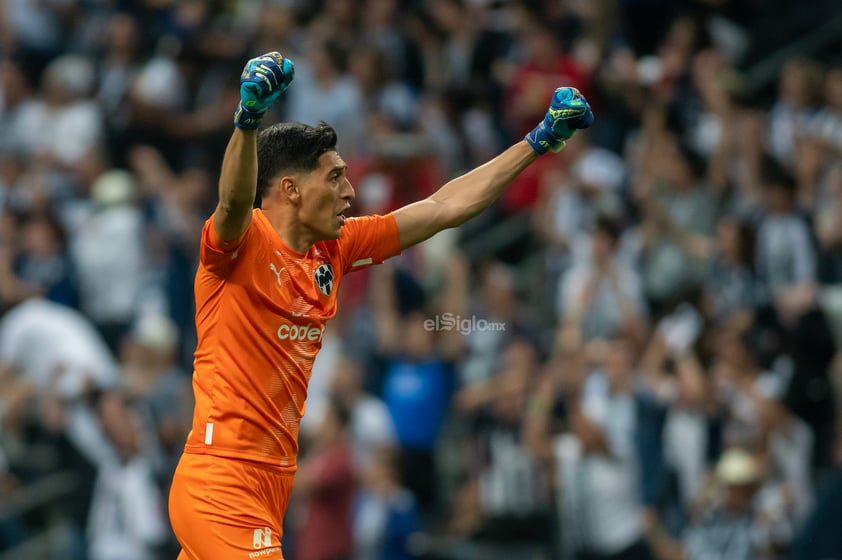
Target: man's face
326,195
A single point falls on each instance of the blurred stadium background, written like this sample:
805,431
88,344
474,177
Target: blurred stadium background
643,359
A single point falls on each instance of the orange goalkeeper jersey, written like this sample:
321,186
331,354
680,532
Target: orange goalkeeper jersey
261,310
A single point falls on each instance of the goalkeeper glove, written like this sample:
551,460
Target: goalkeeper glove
568,112
263,80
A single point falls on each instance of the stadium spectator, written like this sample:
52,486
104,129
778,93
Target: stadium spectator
109,249
599,295
716,165
325,485
127,515
370,427
417,385
385,512
158,389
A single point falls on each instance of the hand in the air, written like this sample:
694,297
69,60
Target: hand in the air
568,112
263,80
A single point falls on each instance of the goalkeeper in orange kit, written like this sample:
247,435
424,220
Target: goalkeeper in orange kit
267,285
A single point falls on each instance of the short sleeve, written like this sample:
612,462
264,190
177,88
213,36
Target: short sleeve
368,240
218,256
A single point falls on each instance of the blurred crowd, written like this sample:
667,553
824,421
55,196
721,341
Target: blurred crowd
631,355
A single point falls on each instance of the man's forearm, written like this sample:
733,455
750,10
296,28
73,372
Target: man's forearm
468,195
237,184
464,197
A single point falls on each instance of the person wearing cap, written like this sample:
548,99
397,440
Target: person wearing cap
742,521
109,251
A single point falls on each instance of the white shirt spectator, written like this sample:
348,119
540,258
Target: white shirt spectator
601,169
572,214
160,84
785,255
603,315
370,428
55,347
786,123
370,425
127,513
512,484
68,132
826,125
483,357
108,248
791,452
66,124
599,509
37,23
599,495
685,437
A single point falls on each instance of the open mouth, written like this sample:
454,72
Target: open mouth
342,217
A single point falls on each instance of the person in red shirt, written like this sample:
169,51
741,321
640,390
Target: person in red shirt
326,483
267,284
545,64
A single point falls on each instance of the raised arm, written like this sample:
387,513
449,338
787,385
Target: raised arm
237,185
263,79
464,197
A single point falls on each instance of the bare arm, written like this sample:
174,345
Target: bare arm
462,198
237,185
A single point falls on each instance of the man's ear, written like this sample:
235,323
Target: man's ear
290,188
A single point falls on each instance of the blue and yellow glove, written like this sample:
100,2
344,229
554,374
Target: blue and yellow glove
569,111
263,79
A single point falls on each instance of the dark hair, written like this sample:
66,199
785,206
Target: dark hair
774,175
749,342
747,239
697,164
51,221
290,148
340,411
609,226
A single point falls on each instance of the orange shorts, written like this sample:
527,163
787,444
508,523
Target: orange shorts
226,509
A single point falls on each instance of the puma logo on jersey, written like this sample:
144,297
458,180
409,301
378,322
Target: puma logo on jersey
277,272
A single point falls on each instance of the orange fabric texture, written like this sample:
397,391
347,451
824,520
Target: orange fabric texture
261,310
223,510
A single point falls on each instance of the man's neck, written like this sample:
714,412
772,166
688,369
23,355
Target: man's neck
295,236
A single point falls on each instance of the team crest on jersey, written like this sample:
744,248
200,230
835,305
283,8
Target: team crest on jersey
324,278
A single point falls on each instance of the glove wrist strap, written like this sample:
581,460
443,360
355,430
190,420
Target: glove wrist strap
245,119
543,139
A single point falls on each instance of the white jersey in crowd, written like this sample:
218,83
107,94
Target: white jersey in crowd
108,249
53,345
599,494
126,521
